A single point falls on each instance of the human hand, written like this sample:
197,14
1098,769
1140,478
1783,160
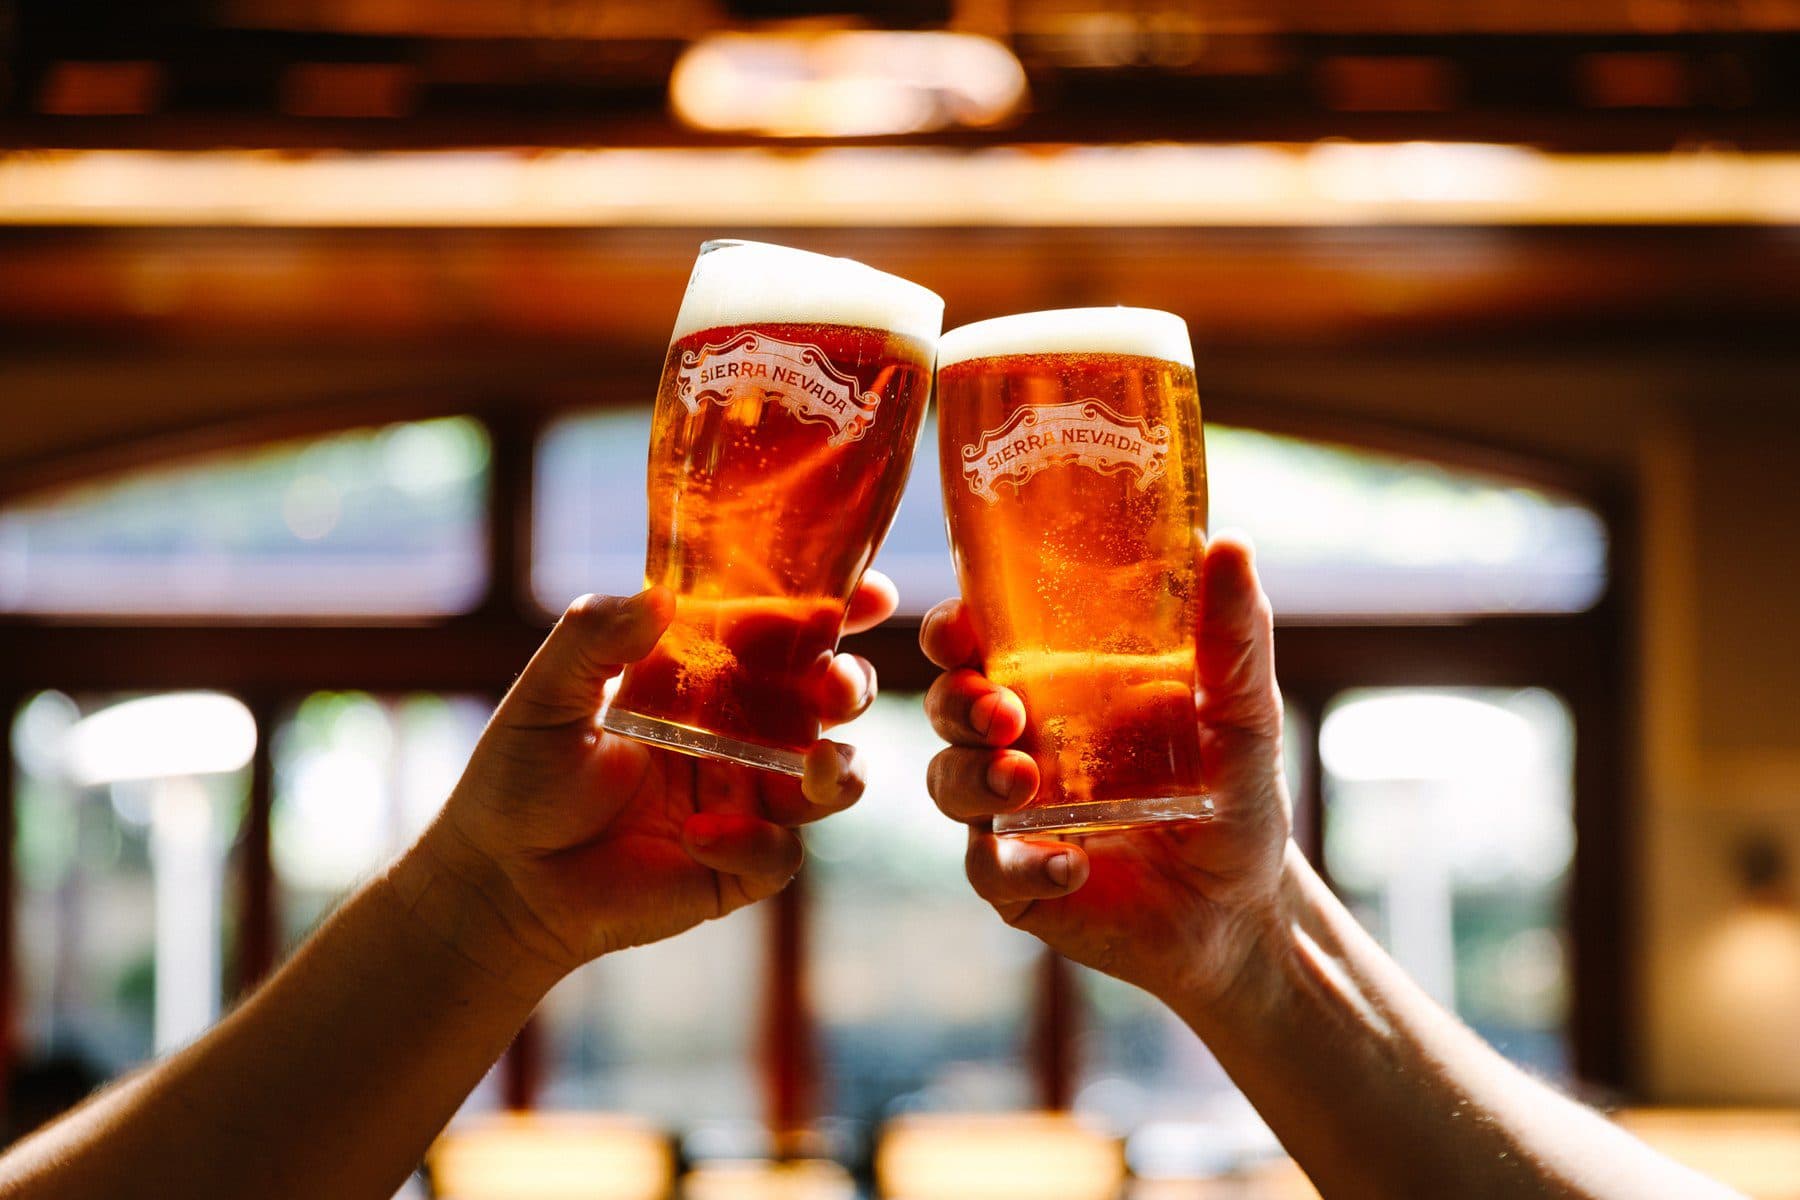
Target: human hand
1176,908
562,842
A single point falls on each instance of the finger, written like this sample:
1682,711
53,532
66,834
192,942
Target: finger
760,857
833,778
596,636
1236,642
1011,872
845,689
873,602
970,784
947,636
967,710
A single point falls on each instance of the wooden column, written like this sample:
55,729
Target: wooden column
258,929
788,1050
1055,1025
9,912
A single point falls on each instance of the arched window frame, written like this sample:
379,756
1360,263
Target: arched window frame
1583,656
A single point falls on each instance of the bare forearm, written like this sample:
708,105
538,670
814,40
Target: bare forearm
1378,1092
331,1081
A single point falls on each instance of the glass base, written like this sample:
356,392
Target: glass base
1099,815
701,743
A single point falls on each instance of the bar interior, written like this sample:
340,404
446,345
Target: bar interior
329,331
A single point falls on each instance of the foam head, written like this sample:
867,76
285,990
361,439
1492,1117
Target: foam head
1144,332
743,283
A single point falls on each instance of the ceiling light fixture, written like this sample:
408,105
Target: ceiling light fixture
846,83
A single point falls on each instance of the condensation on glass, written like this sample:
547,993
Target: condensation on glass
590,509
373,522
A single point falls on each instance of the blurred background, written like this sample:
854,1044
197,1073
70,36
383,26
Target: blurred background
327,334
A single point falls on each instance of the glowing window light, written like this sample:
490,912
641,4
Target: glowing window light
1010,1156
161,745
756,1179
159,737
1424,736
1756,1151
852,83
552,1156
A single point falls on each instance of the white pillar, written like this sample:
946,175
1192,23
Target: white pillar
187,869
1419,898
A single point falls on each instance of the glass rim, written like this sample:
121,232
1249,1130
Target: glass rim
776,283
1104,329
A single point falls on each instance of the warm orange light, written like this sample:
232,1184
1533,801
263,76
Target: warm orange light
1329,184
755,1179
1007,1156
845,83
552,1156
1756,1151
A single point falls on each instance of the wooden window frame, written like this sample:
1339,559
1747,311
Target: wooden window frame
1584,657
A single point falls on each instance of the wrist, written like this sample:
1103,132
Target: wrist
1266,953
461,901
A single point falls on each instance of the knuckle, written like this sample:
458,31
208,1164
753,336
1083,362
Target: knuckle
940,776
1013,914
591,608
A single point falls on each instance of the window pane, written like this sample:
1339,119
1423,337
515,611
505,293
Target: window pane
922,991
126,808
591,518
371,522
1339,531
1449,831
1342,531
357,778
665,1031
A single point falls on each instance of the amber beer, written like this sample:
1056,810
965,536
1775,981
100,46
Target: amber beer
1075,486
786,419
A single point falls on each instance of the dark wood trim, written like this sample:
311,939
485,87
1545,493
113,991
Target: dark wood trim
9,908
1605,1021
788,1043
481,653
1055,1032
512,473
258,918
522,1067
1308,797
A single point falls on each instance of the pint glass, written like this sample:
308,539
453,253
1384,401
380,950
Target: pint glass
1075,489
786,418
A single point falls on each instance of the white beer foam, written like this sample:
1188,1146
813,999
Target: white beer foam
743,283
1145,332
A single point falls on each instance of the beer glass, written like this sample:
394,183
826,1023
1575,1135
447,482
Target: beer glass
786,419
1075,489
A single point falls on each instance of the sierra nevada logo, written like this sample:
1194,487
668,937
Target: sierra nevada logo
1083,433
799,377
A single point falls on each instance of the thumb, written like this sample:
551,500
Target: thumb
595,638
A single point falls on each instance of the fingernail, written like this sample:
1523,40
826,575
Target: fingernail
846,756
1058,870
981,713
704,835
1000,777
